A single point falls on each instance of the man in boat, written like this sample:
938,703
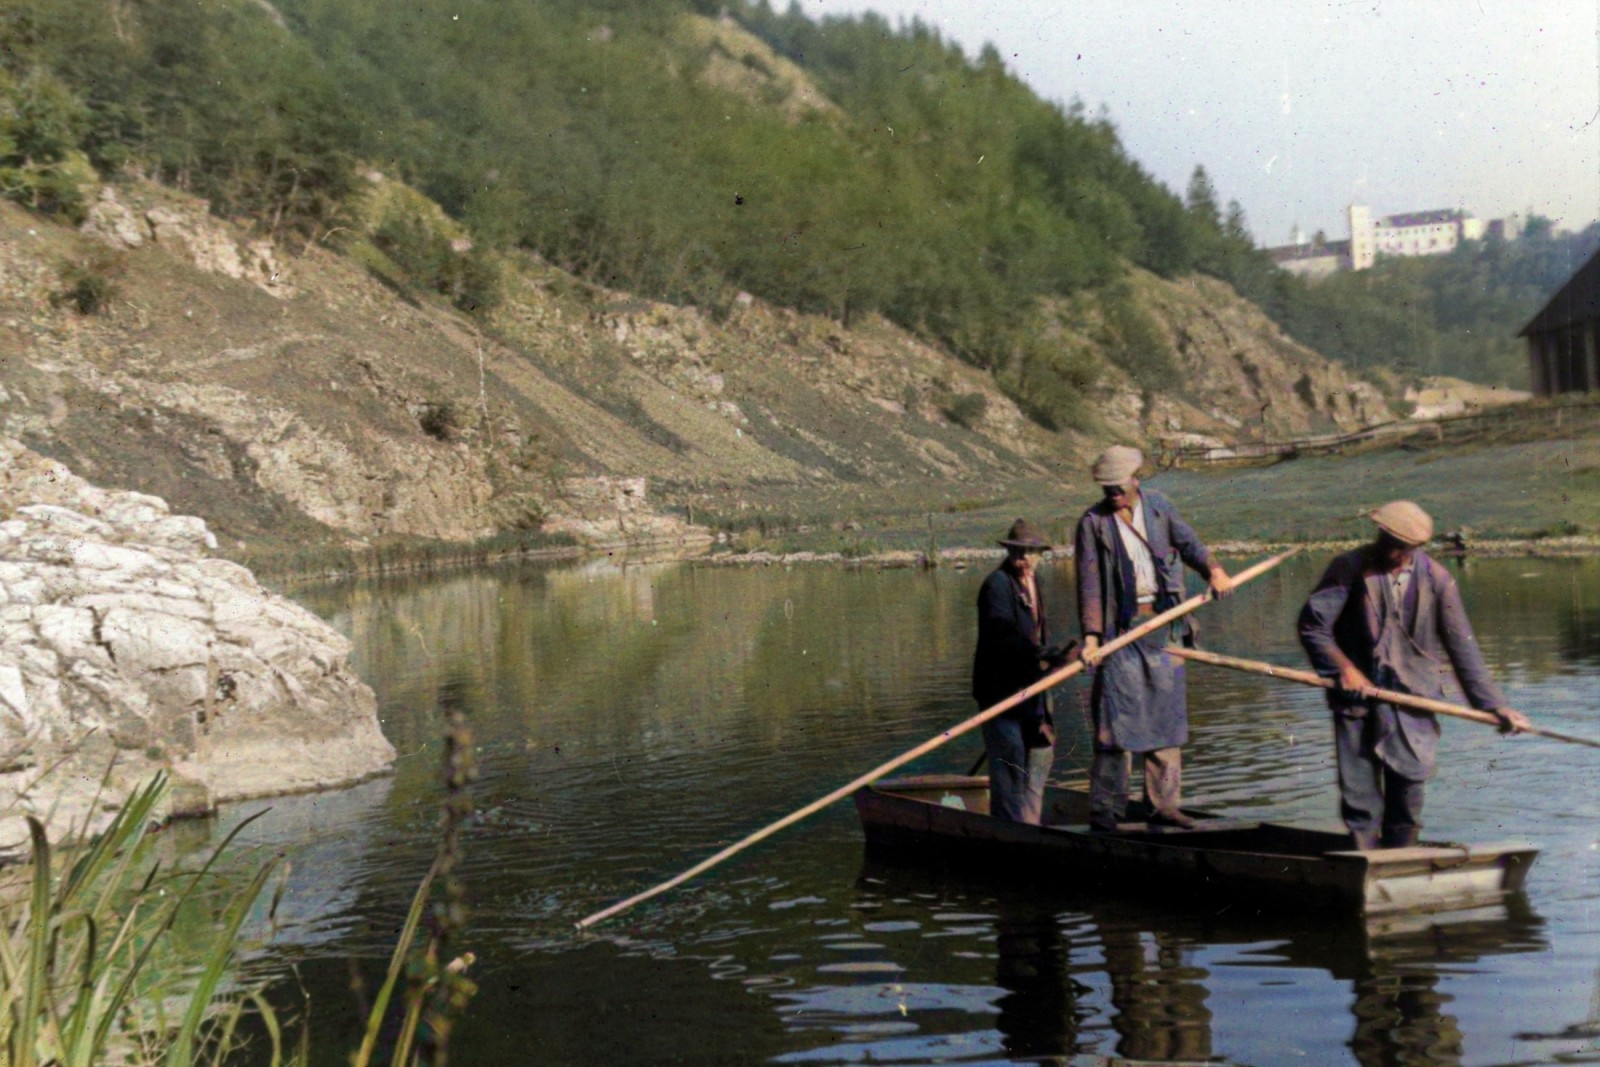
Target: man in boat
1131,548
1014,652
1388,616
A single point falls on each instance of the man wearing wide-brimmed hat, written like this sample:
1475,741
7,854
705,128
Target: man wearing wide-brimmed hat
1131,549
1013,652
1388,616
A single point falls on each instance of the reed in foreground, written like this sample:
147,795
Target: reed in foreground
91,975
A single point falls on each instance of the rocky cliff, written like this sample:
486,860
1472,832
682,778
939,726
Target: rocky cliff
127,647
298,397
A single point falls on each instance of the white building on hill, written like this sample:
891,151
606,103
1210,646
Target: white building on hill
1417,233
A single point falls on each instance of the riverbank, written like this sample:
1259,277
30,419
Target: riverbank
1521,498
1525,498
708,553
960,558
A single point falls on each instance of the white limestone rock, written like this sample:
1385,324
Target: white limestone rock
123,646
110,221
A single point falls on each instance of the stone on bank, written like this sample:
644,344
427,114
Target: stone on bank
126,649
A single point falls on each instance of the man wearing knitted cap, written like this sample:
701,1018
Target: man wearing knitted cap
1388,616
1130,551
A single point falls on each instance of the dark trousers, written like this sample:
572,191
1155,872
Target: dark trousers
1017,773
1108,784
1382,809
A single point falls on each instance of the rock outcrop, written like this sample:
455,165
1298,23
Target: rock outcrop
126,648
1236,376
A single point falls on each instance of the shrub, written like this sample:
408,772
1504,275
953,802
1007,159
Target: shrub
522,514
432,259
1134,340
89,284
967,409
1049,380
437,418
41,124
1559,528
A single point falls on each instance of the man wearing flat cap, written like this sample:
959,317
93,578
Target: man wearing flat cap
1014,652
1131,549
1388,616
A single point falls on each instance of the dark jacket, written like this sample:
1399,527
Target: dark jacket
1009,644
1105,573
1348,609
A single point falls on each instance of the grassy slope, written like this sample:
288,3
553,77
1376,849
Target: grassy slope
1522,489
1526,491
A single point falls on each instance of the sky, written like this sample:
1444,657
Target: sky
1299,108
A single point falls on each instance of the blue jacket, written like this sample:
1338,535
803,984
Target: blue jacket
1106,600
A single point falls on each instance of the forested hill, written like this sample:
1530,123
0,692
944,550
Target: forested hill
838,168
1454,315
713,244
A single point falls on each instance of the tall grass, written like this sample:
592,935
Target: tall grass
92,976
437,992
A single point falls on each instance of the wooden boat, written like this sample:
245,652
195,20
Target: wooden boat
944,818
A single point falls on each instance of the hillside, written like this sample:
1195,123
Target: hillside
300,399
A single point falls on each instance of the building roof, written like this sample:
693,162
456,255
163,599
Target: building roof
1422,218
1577,301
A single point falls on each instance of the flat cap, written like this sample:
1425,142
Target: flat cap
1024,534
1405,522
1117,464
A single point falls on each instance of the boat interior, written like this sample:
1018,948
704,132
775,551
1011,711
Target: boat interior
1067,808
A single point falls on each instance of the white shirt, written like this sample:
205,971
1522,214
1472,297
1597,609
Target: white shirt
1396,581
1144,566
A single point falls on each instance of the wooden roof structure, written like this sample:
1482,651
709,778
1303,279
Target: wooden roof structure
1577,301
1564,337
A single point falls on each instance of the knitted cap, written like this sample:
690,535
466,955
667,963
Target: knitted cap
1405,522
1117,465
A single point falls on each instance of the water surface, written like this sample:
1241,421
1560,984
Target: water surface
630,720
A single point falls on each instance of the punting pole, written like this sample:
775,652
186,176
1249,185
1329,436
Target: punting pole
1048,681
1391,696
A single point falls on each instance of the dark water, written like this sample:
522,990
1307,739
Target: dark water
632,720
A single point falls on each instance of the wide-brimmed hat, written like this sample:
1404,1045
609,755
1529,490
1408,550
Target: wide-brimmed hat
1405,522
1024,534
1117,465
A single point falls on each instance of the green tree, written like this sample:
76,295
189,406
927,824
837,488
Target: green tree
41,124
1201,199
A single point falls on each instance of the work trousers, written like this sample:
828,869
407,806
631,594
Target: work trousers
1381,808
1016,772
1108,784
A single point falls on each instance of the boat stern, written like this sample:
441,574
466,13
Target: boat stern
1427,878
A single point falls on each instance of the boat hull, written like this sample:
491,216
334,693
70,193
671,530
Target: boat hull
943,818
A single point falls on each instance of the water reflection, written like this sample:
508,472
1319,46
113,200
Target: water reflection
1401,1009
1039,1013
1054,958
1158,997
633,719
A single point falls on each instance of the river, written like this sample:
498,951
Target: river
631,719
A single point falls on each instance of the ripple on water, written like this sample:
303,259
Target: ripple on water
632,725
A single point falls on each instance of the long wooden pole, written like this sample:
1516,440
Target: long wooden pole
1403,700
1048,681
